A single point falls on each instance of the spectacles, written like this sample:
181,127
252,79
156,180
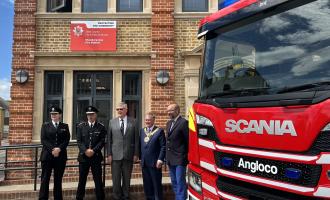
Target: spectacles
120,109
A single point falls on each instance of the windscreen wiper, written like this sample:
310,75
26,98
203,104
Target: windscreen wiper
307,87
239,93
223,94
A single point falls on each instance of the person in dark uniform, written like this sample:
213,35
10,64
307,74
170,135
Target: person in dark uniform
55,137
153,143
90,139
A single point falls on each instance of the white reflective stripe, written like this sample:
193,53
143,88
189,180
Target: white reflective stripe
268,182
202,34
322,192
224,195
208,166
324,159
191,195
266,153
206,143
209,188
210,145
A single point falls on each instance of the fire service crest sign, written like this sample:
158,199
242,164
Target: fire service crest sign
93,35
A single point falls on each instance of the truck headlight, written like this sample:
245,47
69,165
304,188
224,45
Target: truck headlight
195,181
204,125
201,120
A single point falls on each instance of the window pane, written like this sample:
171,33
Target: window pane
132,89
104,111
133,108
54,83
131,84
195,6
103,84
53,92
79,115
84,84
59,5
129,5
94,5
265,58
81,110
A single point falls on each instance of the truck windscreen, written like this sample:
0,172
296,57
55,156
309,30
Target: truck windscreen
286,52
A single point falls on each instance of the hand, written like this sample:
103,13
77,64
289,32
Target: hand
56,152
89,153
135,159
109,160
159,164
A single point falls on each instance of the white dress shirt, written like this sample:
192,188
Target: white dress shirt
125,123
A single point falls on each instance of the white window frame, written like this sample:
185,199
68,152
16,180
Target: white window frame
54,7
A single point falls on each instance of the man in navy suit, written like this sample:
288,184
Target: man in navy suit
177,150
152,158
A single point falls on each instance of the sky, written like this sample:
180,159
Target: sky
6,40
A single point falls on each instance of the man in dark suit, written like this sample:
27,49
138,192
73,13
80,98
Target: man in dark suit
123,150
90,138
55,137
153,146
177,150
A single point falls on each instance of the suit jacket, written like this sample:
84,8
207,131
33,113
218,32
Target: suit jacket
177,142
93,138
121,146
51,137
154,149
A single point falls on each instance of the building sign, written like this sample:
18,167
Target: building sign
93,35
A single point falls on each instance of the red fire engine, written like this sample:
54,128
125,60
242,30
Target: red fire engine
260,128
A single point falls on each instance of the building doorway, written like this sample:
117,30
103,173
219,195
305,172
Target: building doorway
92,88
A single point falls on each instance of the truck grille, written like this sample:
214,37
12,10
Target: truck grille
252,191
321,144
309,177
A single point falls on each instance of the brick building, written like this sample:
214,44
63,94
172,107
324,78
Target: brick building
152,36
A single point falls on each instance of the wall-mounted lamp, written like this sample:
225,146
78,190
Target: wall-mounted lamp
162,77
22,76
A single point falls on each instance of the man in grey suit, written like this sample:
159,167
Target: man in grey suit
123,150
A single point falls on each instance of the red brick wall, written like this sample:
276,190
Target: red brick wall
162,36
21,105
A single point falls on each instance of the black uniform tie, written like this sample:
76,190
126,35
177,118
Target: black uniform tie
122,127
56,125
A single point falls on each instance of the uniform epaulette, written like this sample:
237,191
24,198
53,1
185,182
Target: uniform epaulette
46,123
82,124
100,123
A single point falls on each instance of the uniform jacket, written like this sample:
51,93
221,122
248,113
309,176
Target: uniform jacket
154,149
93,138
51,138
177,142
121,146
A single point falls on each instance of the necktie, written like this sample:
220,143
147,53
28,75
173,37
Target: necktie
122,127
172,124
91,125
56,125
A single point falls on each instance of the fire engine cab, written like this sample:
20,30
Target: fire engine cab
260,128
